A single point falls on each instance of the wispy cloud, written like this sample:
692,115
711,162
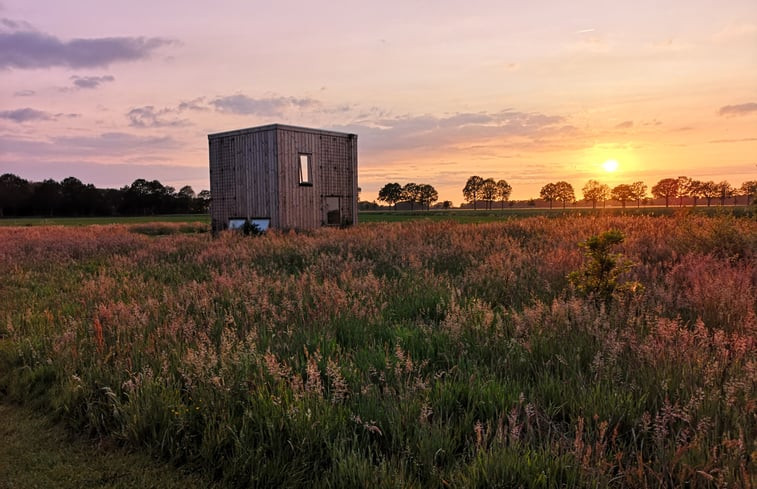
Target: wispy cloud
25,115
109,144
740,109
24,93
88,82
739,140
270,106
148,116
28,114
23,47
455,130
624,125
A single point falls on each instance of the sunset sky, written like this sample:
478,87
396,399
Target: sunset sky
530,92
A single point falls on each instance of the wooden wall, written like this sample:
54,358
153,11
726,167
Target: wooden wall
255,173
243,179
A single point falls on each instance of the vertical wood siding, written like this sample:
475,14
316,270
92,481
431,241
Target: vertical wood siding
255,173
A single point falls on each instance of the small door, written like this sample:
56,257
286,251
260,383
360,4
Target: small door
333,214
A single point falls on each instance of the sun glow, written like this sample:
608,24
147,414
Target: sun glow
610,165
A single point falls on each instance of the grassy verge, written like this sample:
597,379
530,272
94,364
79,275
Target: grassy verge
36,453
88,221
491,215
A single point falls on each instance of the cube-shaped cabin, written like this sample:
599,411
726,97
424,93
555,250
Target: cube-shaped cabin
283,177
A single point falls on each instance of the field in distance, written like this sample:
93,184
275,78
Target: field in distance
364,217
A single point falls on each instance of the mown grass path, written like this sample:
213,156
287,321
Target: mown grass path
35,453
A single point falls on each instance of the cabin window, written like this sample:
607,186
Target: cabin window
305,167
245,225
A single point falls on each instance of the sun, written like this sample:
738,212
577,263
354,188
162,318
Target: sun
610,165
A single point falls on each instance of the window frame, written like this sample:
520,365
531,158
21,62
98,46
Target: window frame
305,161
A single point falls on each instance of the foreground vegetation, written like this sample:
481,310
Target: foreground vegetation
36,453
423,354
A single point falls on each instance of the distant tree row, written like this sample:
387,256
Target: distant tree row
487,190
599,192
71,197
560,191
414,193
685,187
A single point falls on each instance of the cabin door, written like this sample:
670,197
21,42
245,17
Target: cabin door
331,209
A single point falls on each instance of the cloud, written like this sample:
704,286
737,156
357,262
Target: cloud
194,104
741,140
28,114
117,146
270,106
148,116
24,48
25,115
85,82
24,93
454,131
735,31
624,125
736,110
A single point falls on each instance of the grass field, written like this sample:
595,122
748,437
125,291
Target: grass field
418,354
364,217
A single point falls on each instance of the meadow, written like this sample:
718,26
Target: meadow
407,354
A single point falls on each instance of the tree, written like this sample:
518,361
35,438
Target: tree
622,193
203,201
666,188
47,197
724,190
14,194
503,191
695,190
749,189
73,197
685,189
595,192
410,193
472,189
427,195
391,193
489,192
708,190
565,193
549,193
639,192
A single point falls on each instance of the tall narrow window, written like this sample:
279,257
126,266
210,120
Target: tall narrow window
305,174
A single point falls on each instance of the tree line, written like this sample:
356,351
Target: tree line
72,197
489,191
414,193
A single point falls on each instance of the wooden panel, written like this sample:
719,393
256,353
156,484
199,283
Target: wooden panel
255,173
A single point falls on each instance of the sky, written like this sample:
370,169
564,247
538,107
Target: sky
529,92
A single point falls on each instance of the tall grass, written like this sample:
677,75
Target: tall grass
424,354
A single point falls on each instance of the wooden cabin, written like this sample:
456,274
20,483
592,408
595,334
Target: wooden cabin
282,177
